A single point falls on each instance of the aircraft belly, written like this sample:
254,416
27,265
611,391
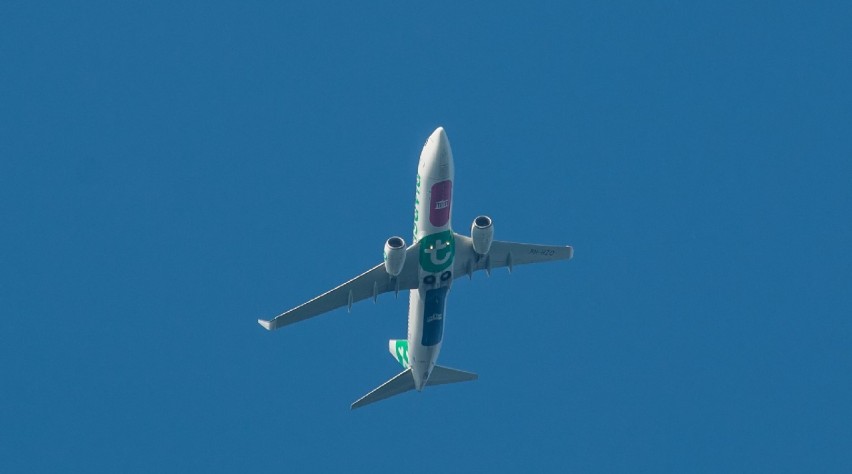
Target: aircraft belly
427,307
433,231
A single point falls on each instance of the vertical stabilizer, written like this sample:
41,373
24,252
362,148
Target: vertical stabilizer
399,350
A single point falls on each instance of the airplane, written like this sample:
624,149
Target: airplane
427,268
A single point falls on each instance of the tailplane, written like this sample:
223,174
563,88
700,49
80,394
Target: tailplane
404,381
441,375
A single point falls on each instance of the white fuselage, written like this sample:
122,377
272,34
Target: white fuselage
433,230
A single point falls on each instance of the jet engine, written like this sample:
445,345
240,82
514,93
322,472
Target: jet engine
394,255
482,233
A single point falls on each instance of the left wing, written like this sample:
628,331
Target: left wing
504,254
371,283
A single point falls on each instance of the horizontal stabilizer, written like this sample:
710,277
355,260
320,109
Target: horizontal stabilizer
402,383
441,375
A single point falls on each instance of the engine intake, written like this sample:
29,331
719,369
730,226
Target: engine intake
394,255
482,233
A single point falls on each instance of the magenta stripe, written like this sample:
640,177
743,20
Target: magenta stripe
439,209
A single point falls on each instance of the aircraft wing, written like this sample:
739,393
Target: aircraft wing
504,254
371,283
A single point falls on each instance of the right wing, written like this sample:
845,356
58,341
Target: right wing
504,254
369,284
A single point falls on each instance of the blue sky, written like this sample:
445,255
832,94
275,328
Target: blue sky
170,172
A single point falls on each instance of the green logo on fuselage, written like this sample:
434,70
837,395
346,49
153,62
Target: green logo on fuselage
416,207
437,251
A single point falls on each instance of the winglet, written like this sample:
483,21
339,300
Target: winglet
266,324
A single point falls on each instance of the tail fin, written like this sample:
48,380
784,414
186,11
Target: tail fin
399,350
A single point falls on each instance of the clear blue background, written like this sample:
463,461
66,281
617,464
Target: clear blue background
170,172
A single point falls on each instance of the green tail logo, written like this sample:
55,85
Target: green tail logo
402,353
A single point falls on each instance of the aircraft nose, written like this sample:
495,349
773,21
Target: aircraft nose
441,143
436,159
440,137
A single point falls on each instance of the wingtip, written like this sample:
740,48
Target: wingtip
266,324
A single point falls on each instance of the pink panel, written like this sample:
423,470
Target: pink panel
439,209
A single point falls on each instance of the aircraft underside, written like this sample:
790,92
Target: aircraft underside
427,269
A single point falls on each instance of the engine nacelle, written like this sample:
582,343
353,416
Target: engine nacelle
394,255
482,233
